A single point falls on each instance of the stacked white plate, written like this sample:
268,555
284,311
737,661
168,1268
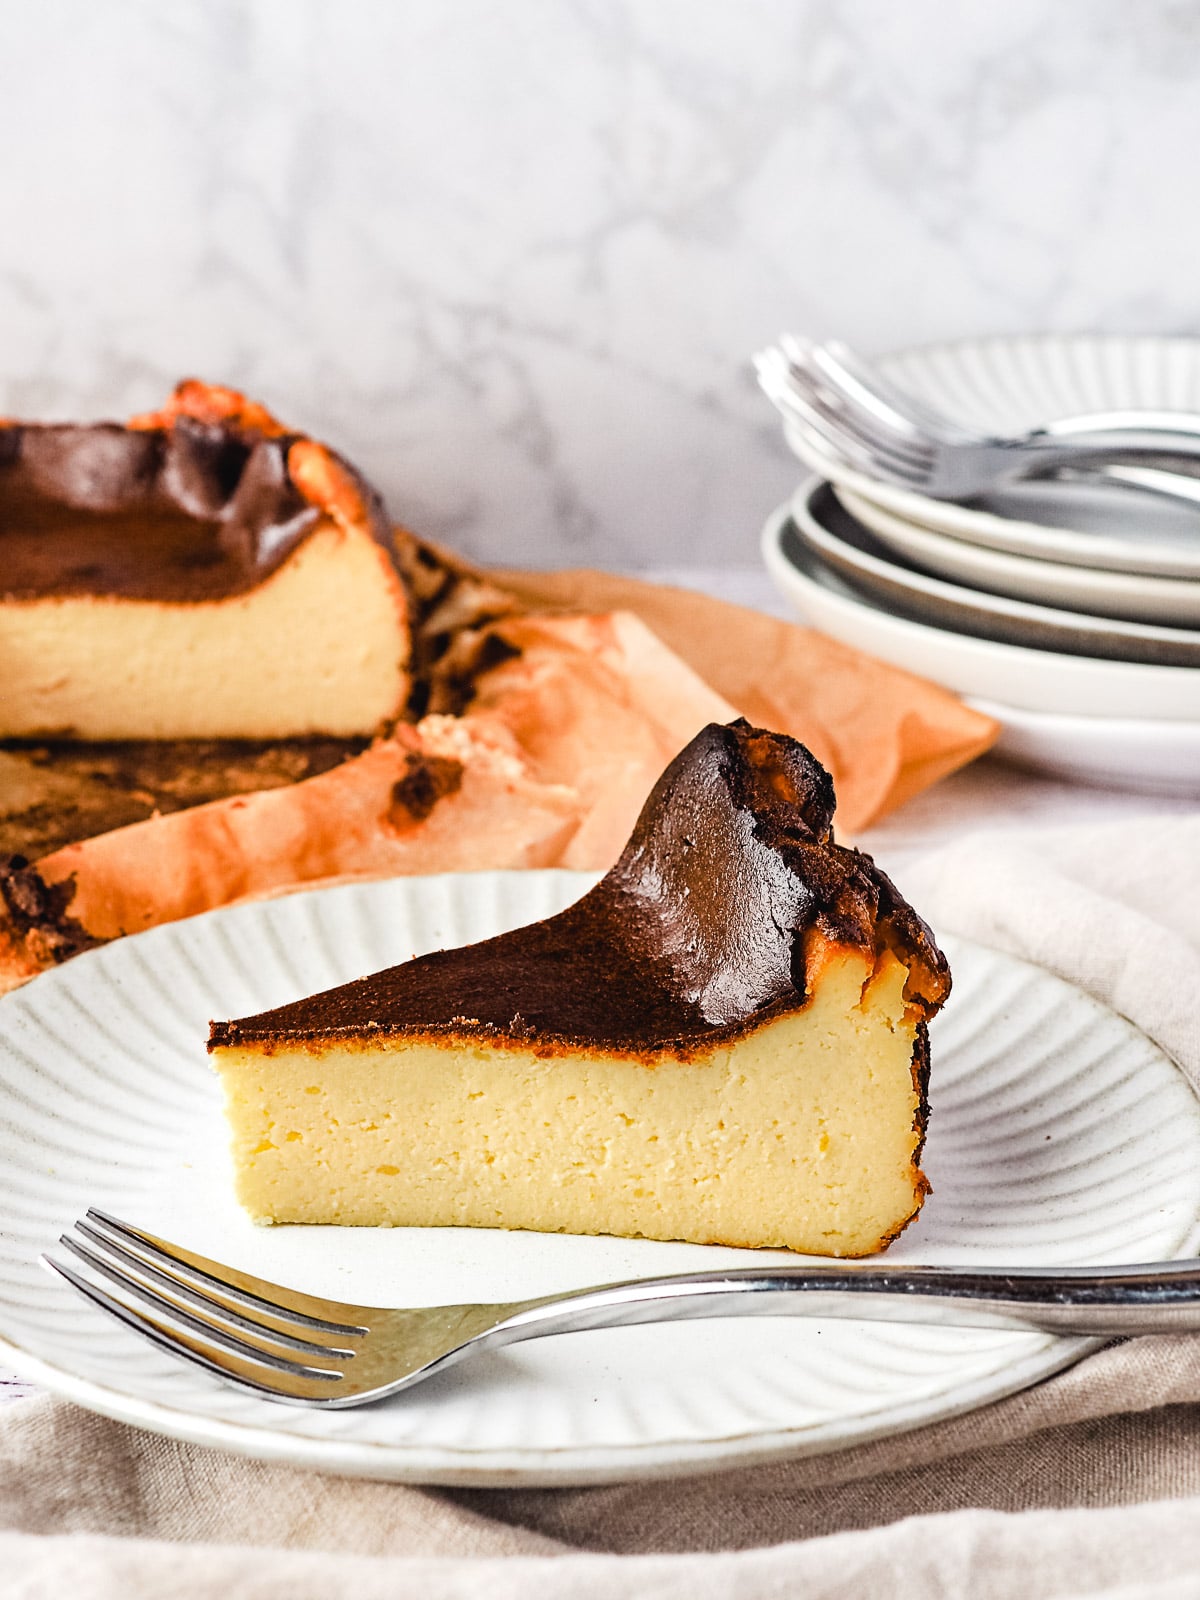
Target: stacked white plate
1069,613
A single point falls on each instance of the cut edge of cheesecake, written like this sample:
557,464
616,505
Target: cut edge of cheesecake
289,617
775,1140
723,1042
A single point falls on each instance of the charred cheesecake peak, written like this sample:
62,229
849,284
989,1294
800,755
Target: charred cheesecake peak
706,927
734,853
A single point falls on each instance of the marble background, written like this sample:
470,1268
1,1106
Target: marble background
513,258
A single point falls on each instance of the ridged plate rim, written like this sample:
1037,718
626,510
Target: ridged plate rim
569,1463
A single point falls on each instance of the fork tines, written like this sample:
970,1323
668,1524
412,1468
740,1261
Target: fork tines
836,415
191,1306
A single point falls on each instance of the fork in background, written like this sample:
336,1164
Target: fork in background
840,408
305,1350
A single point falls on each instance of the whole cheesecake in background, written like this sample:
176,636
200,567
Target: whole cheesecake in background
724,1041
198,574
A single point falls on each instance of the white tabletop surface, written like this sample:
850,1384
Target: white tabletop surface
986,794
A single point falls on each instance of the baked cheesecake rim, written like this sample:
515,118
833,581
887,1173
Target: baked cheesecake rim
304,484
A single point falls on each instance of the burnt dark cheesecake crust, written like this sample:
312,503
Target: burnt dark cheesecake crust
705,928
724,1041
200,573
183,512
56,793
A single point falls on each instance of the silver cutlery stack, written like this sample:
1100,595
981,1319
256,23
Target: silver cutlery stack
1018,520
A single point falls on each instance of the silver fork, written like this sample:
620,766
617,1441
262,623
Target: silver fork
305,1350
837,406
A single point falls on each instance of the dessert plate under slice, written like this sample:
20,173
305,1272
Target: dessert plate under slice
1059,1134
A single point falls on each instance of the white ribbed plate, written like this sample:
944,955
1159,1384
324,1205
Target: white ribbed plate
1010,674
1137,754
1095,591
847,546
1059,1134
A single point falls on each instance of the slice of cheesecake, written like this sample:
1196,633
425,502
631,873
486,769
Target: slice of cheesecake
724,1041
199,574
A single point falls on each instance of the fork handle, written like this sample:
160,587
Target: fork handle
1178,486
1111,1302
1156,438
1172,432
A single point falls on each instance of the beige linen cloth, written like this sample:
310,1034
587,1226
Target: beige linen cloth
1088,1484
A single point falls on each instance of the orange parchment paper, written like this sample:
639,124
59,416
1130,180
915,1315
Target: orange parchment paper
603,682
883,733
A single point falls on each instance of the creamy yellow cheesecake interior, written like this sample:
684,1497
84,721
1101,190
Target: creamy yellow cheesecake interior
724,1042
319,647
801,1135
